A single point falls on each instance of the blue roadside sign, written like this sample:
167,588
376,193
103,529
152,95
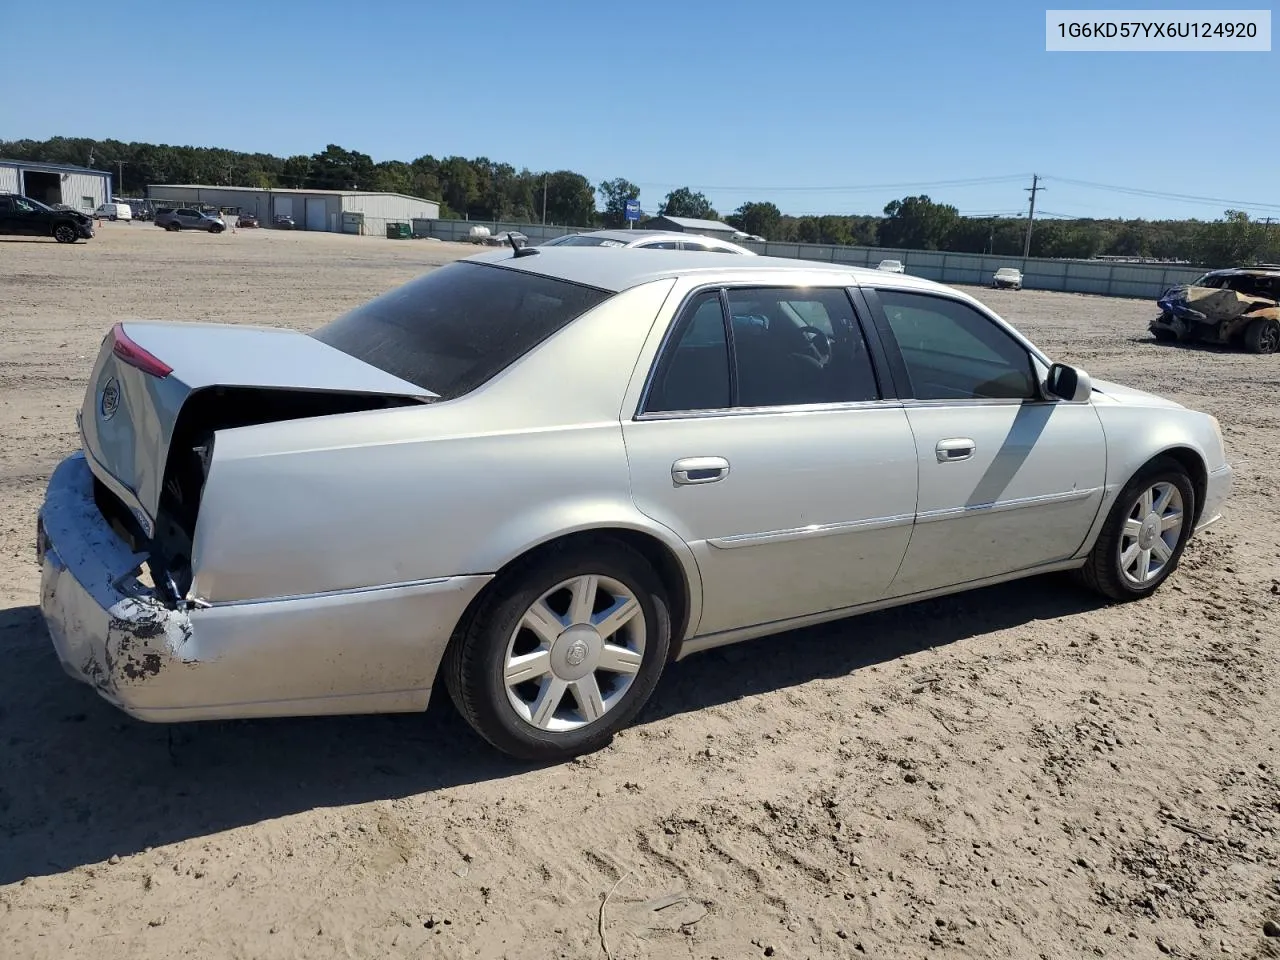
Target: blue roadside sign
633,210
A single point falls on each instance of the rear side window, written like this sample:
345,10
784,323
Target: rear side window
458,326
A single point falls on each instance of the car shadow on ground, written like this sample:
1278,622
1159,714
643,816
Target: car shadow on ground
1196,345
80,781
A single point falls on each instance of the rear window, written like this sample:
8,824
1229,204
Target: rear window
456,327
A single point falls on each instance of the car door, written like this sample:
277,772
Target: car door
762,440
1009,481
188,218
6,215
25,219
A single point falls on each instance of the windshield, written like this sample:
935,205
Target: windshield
458,326
1007,272
1210,280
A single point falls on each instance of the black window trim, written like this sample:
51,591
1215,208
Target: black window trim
885,381
880,320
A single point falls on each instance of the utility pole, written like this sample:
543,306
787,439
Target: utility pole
120,167
545,178
1031,214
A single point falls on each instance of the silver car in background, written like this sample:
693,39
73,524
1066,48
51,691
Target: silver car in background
187,218
648,240
546,473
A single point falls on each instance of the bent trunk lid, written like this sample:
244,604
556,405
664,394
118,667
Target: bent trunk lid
128,415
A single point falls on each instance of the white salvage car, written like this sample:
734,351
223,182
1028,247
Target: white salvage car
546,473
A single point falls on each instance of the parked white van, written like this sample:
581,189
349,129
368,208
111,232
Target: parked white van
113,211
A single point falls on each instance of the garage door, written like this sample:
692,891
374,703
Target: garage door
315,213
284,206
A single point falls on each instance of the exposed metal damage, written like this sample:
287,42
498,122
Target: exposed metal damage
1239,307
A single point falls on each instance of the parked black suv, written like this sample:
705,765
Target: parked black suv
21,216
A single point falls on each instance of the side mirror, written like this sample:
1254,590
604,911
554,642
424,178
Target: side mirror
1068,383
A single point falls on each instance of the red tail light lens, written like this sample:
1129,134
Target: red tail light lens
135,356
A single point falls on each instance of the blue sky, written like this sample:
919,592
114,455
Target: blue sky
813,105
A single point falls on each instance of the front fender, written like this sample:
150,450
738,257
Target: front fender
1137,434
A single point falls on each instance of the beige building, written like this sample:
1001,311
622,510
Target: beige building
334,211
55,183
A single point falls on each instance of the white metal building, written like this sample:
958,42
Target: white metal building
52,183
711,228
334,211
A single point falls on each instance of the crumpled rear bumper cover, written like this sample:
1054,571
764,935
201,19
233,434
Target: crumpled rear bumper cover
105,630
366,650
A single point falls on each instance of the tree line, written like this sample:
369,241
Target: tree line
484,189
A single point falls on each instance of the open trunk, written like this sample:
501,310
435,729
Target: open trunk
159,392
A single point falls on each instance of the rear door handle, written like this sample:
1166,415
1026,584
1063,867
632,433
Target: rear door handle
955,449
699,470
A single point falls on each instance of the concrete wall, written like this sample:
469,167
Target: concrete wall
1141,280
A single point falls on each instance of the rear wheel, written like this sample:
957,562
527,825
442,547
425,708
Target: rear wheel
65,233
563,653
1262,336
1144,534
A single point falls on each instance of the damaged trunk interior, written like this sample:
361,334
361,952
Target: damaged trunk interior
190,452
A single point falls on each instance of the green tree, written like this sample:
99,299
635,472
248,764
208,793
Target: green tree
683,202
917,223
336,168
759,219
615,194
570,199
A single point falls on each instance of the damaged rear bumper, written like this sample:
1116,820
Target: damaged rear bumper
367,650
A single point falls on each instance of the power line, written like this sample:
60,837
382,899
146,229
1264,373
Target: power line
972,181
1163,195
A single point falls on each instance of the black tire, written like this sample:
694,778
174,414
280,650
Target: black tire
216,229
474,663
65,233
1164,334
1102,571
1262,336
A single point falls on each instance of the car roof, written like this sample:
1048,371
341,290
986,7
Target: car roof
630,235
617,270
1245,272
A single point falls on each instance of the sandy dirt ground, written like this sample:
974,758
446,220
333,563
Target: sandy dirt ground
1017,772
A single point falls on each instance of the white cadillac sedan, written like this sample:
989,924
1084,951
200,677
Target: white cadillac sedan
546,473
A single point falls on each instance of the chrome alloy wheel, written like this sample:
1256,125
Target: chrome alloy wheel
1151,533
574,654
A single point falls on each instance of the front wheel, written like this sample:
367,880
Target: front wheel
1164,334
1262,336
65,233
564,652
1144,534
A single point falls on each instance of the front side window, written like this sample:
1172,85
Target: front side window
661,245
953,352
456,327
790,347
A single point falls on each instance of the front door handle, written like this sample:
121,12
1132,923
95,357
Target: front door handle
699,470
955,449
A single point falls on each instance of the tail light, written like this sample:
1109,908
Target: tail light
132,354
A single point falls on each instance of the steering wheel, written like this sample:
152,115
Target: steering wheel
819,341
